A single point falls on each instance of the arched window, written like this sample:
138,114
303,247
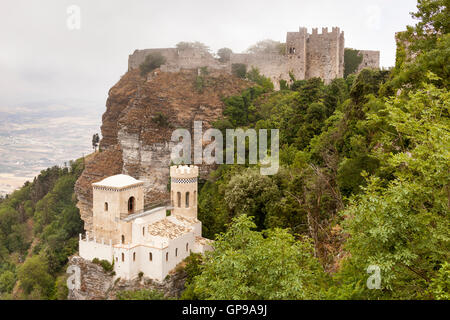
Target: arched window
150,256
187,247
179,199
106,206
187,199
123,257
123,239
131,205
176,252
167,256
134,256
143,231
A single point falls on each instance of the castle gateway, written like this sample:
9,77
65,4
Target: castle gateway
306,56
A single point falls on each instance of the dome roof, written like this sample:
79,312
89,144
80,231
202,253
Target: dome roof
118,181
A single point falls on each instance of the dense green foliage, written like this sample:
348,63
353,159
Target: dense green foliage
364,175
247,264
39,229
352,60
143,294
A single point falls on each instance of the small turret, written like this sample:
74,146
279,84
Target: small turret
183,192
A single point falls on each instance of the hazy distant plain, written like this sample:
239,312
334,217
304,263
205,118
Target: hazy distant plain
41,135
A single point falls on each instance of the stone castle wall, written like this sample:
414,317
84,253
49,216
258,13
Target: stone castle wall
371,59
307,56
325,54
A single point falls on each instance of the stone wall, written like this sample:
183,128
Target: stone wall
177,60
306,56
371,59
325,54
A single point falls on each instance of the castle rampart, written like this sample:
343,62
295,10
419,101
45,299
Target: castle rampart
307,55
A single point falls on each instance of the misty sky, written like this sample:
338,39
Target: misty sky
42,60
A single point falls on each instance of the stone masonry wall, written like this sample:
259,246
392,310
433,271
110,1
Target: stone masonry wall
371,59
307,56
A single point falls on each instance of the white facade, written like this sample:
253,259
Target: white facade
144,241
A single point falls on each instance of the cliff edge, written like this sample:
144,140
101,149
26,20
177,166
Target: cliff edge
141,114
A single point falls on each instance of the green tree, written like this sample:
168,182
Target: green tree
251,193
143,294
352,60
402,226
224,54
247,264
34,277
239,70
7,281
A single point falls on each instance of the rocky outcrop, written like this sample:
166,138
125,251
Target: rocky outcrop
141,114
96,284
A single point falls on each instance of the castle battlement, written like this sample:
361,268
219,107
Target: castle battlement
183,172
306,55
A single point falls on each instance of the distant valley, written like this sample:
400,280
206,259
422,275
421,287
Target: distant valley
41,135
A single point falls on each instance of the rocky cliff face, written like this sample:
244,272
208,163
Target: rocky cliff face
141,114
96,284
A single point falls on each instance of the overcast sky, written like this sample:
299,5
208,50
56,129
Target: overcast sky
41,59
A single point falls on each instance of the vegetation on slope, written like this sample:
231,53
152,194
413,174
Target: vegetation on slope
39,226
364,175
364,181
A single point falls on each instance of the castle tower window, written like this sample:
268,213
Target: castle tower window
106,206
131,204
176,252
150,256
167,256
143,231
179,199
134,256
187,199
123,239
123,257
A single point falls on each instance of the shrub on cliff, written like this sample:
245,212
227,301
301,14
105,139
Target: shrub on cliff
239,70
105,264
151,62
224,54
142,294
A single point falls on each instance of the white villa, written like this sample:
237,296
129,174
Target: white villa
152,242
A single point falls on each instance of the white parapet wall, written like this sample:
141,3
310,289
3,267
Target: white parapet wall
92,248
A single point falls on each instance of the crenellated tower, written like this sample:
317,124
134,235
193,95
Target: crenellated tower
183,193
